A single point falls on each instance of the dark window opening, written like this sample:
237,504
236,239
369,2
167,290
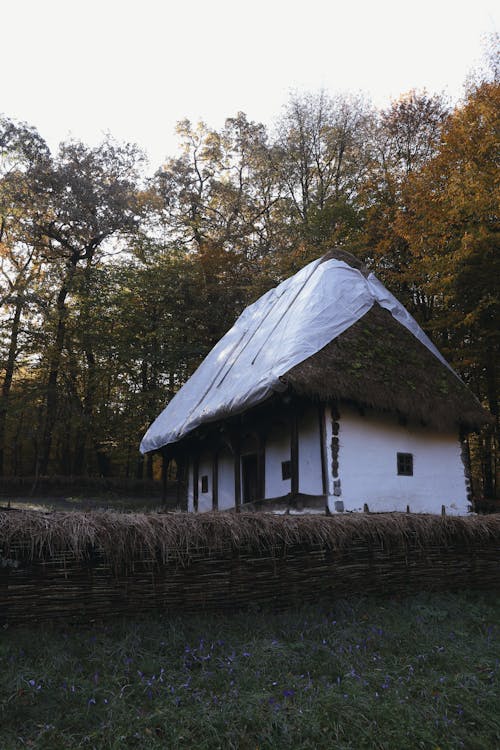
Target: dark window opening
204,483
173,470
405,464
286,469
249,473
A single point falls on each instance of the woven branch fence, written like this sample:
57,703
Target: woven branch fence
80,566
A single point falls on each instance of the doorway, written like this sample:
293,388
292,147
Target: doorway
249,471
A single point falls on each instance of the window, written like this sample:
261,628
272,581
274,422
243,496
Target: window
286,469
204,483
405,464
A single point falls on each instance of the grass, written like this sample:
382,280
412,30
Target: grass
84,502
421,672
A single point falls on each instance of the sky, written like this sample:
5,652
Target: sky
77,69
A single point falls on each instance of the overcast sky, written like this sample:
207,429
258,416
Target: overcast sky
81,69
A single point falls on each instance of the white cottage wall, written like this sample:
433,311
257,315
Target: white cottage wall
190,503
310,476
277,450
226,480
368,447
204,498
205,470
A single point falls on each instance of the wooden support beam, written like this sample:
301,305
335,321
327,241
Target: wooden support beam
294,451
196,488
165,461
181,462
322,447
215,481
261,465
237,471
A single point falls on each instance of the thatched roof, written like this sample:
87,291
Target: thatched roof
331,331
378,363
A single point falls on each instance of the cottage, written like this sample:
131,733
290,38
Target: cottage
325,395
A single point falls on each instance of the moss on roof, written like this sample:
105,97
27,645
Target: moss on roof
378,363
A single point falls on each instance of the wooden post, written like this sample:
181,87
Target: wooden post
322,447
215,481
164,476
261,465
237,471
180,460
294,452
196,489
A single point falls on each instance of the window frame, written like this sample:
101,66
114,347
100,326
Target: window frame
405,464
286,470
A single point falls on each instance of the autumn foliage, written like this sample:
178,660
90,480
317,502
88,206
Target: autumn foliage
114,286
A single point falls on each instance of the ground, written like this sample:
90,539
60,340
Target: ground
362,674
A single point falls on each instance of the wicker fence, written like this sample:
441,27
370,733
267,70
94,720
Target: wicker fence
80,566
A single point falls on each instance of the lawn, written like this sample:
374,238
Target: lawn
421,672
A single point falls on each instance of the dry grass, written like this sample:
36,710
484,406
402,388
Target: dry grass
125,537
79,566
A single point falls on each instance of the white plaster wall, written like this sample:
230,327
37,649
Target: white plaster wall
310,479
205,498
328,449
190,505
277,449
368,446
226,480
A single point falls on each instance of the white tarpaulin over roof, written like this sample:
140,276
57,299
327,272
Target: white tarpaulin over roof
286,326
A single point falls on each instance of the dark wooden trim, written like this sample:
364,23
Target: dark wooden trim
196,489
335,445
261,465
237,471
322,447
215,481
466,461
182,484
165,461
294,452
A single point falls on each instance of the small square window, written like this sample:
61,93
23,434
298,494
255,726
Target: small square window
204,483
286,469
405,464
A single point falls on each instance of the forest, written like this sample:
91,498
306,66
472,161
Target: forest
115,282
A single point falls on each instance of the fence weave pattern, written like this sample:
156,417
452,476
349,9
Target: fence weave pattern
80,566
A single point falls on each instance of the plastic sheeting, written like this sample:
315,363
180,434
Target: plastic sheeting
286,326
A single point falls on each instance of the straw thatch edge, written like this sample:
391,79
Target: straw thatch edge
377,363
124,538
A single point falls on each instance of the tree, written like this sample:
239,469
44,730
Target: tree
215,201
72,206
159,337
452,227
405,138
21,149
320,157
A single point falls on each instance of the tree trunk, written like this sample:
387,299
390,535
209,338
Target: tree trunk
491,435
54,367
9,374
